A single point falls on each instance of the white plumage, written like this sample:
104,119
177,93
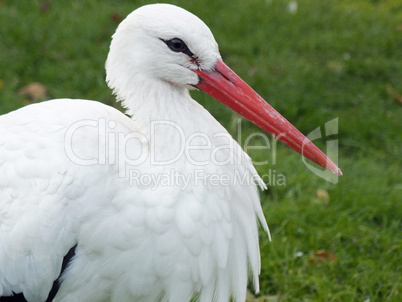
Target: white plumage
75,172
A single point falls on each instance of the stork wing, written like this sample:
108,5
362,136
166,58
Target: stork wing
35,230
41,190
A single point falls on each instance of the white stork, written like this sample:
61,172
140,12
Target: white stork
142,208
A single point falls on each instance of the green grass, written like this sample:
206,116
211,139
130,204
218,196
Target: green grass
332,59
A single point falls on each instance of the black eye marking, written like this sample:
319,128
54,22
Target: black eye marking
178,45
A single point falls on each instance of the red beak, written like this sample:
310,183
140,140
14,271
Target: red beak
227,87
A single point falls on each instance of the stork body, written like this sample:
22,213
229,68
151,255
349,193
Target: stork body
146,219
135,241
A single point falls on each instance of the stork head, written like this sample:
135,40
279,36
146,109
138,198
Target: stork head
160,42
165,44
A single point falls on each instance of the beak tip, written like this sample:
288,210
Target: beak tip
335,170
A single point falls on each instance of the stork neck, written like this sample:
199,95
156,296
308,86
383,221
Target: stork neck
169,118
158,102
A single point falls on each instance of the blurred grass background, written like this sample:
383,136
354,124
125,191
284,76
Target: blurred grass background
313,61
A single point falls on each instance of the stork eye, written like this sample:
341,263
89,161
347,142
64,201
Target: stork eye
177,45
